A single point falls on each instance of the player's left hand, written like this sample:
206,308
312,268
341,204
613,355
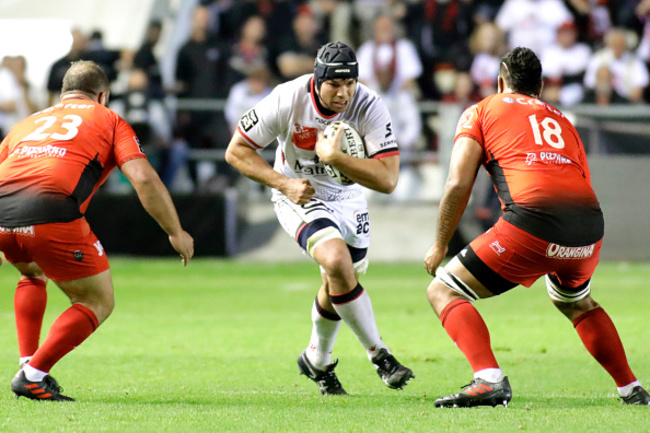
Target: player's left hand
183,243
329,149
434,257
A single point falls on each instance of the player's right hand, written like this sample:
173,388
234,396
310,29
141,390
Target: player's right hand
298,191
183,243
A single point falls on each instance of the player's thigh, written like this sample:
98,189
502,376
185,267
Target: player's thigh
67,251
354,222
310,224
96,288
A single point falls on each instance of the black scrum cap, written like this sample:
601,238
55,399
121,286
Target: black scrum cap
335,60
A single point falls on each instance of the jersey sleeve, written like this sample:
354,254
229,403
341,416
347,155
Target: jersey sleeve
126,145
4,149
260,125
378,132
469,125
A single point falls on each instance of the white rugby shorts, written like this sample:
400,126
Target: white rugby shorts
350,217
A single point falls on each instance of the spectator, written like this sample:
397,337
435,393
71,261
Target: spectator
629,75
15,100
407,122
487,44
440,30
201,69
147,116
146,59
388,60
60,67
246,94
592,19
98,53
564,65
224,23
603,92
334,18
249,53
532,23
296,52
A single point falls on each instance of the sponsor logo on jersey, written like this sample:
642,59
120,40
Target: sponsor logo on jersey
100,248
38,151
508,100
546,158
249,120
497,248
531,158
304,137
363,222
137,141
556,251
533,101
23,231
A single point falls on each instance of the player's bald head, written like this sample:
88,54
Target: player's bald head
85,76
522,71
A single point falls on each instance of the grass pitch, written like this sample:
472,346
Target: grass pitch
213,347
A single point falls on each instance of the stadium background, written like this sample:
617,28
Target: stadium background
237,220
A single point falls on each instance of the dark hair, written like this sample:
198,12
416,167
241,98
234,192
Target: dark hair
85,76
335,60
522,71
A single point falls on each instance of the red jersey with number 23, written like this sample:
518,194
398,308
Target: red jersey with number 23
52,162
538,167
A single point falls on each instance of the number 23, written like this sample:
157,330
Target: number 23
41,133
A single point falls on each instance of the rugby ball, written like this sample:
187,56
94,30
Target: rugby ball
351,143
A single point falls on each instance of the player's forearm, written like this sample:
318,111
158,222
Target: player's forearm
152,194
377,174
158,203
452,206
249,163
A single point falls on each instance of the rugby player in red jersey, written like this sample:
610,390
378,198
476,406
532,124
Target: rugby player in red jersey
551,226
51,164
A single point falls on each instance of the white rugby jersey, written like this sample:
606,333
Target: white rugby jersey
291,115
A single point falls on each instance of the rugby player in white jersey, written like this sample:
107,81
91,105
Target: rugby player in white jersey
328,220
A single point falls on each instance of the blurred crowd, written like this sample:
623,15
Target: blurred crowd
592,51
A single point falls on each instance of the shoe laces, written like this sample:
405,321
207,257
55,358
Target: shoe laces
52,383
388,364
329,379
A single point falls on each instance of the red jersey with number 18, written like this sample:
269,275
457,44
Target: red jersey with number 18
53,161
538,166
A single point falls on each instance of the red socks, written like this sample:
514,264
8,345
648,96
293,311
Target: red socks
467,329
68,331
596,330
598,334
30,300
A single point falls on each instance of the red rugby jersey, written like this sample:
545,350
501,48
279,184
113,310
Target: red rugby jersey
53,161
538,166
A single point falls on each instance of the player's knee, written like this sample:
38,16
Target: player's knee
336,264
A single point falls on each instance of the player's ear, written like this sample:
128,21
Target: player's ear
103,98
500,84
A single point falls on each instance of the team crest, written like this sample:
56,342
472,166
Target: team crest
79,255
